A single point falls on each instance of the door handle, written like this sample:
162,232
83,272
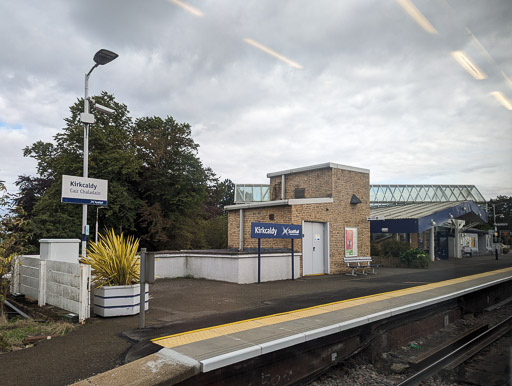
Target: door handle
314,249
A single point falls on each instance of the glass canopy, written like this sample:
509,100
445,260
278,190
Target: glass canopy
407,194
382,194
251,193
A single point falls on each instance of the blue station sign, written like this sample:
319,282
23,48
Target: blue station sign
260,230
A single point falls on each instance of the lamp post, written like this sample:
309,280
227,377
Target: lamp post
100,58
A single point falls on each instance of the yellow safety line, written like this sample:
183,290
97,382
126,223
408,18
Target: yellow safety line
244,325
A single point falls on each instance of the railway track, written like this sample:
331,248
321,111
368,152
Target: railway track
459,352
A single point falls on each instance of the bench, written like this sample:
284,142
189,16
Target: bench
363,263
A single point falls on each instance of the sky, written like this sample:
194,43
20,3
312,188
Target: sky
417,91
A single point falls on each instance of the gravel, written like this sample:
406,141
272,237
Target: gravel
392,367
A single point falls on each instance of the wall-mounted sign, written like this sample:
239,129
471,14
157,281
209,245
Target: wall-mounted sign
260,230
81,190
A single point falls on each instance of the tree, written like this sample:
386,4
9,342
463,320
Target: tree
173,184
215,227
159,190
111,157
12,242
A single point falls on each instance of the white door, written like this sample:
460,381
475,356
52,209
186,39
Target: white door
313,260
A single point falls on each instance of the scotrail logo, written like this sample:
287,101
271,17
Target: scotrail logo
290,232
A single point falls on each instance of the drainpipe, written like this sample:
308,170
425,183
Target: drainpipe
241,240
283,190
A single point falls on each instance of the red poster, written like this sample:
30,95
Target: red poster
349,239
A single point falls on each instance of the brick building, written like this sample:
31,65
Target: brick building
330,201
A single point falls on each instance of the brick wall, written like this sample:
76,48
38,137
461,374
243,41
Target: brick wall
282,215
316,183
339,184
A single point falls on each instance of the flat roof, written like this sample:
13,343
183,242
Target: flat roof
327,165
292,201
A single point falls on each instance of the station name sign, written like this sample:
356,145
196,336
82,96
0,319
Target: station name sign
81,190
260,230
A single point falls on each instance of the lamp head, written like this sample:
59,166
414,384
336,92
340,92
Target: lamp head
104,56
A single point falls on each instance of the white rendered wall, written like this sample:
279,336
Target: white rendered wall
241,269
170,266
60,249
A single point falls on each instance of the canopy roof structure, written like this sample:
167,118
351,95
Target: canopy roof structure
381,195
416,218
407,194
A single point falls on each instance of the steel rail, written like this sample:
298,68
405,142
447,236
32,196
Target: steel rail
465,351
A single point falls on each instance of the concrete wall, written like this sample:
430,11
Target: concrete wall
241,269
60,249
61,284
27,274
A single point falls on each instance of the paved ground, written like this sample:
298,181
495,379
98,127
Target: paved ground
185,304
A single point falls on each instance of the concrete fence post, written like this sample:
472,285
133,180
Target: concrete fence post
84,293
15,281
41,301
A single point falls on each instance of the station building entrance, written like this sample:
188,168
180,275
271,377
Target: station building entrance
315,247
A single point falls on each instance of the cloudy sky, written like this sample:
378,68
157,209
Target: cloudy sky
417,91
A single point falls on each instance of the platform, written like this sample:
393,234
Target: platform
222,345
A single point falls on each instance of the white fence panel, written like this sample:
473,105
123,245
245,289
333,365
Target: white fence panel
28,272
61,284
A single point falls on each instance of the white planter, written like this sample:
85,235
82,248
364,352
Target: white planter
118,300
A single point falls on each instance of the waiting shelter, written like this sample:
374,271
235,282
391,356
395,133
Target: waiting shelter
423,211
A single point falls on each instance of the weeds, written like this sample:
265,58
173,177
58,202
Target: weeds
13,333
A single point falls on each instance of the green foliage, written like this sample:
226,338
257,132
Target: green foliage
159,190
216,232
111,157
173,184
375,249
415,258
393,248
13,236
113,260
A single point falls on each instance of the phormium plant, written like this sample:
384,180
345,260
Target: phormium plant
114,260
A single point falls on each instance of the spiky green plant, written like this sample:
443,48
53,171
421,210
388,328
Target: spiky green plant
114,260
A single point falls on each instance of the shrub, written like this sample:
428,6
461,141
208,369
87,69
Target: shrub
415,258
113,260
374,249
505,250
393,248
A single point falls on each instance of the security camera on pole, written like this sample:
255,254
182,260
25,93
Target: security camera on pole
100,58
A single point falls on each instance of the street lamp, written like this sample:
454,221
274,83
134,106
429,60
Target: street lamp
100,58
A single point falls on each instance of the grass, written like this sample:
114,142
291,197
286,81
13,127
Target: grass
13,333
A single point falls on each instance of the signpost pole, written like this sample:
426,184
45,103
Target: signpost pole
142,299
293,265
275,231
259,260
